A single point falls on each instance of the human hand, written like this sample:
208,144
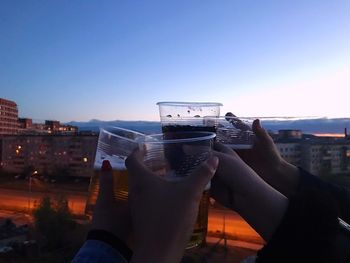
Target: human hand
164,212
266,161
237,186
110,214
234,179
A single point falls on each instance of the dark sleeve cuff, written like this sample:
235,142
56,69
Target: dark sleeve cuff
112,240
340,194
307,232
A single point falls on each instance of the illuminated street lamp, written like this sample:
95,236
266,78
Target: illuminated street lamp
30,187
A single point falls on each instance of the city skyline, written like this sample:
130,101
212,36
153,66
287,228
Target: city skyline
114,60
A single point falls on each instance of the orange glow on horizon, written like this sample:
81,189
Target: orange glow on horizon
337,135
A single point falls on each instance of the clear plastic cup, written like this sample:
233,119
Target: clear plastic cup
115,145
174,156
182,116
235,132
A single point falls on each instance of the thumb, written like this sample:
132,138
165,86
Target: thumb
106,183
139,174
261,134
203,173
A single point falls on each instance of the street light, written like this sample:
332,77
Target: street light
30,187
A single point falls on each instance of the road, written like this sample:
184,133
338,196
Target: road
235,226
22,200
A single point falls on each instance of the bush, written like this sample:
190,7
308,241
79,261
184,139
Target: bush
53,220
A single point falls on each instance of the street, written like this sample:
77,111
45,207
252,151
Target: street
235,227
22,200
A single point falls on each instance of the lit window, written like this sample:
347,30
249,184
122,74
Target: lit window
85,159
348,153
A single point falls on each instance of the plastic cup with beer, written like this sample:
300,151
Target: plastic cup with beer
187,116
114,144
175,155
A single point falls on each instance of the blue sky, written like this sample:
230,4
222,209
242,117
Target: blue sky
79,60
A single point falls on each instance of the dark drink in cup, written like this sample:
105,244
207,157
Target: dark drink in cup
175,155
180,117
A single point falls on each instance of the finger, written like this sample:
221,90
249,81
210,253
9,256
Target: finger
203,173
106,183
136,168
261,134
218,146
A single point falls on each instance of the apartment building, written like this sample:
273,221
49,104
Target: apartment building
48,153
317,155
8,117
26,126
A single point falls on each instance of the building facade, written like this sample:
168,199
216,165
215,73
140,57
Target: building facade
322,157
8,117
47,154
26,126
290,151
318,155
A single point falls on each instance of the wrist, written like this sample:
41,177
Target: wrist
288,175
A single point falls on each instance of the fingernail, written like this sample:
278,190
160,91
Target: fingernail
213,162
106,166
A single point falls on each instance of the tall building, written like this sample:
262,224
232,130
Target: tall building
8,117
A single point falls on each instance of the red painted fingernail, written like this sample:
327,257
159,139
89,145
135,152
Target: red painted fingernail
106,166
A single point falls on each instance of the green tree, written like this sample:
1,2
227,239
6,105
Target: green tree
53,220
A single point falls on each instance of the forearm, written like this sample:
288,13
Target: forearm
261,206
284,178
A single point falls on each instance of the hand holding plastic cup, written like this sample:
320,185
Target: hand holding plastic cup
115,144
174,156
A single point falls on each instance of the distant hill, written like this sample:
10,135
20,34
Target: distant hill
320,125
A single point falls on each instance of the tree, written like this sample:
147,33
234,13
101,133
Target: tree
52,219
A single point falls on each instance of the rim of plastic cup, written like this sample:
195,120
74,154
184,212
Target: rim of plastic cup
263,118
159,137
229,117
106,130
197,104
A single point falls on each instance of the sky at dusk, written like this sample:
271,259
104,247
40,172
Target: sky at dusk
81,60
